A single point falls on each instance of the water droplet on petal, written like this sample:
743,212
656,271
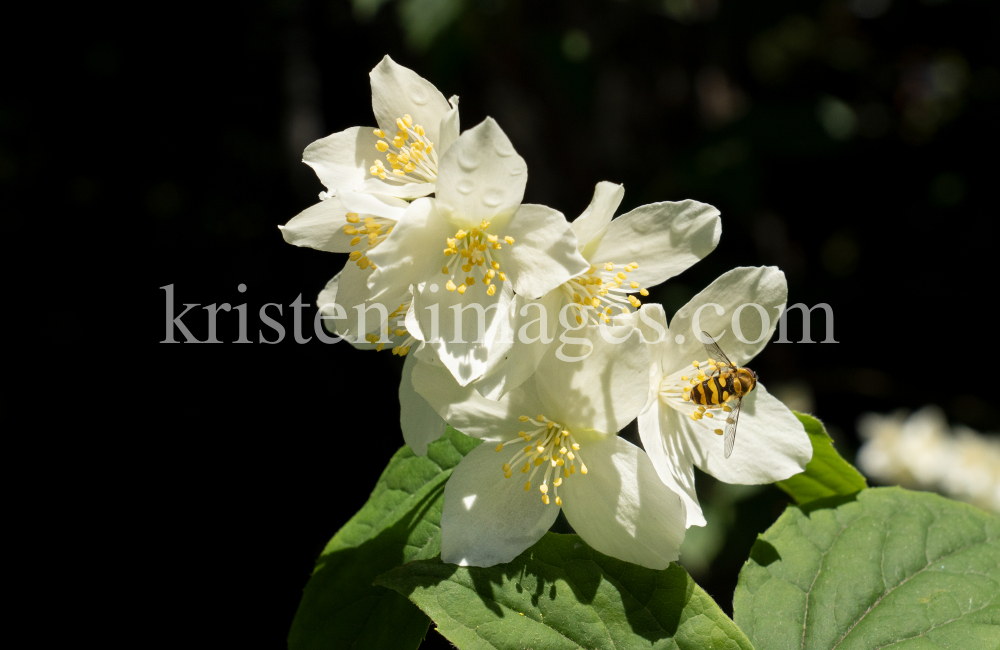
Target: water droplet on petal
504,149
468,160
493,198
465,187
419,95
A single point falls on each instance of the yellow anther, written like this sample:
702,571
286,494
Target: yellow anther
460,234
524,418
541,418
565,433
461,289
430,145
399,332
444,269
372,238
484,224
508,474
353,217
450,286
558,501
702,408
527,486
695,364
718,432
502,276
525,468
355,256
420,131
575,446
397,142
382,145
539,461
634,285
527,449
355,241
378,348
643,292
543,488
509,240
491,290
491,238
400,124
694,415
635,301
583,468
409,167
408,120
499,447
399,172
495,265
572,469
379,133
727,409
709,415
566,472
609,267
579,320
506,467
621,275
557,482
684,378
540,448
470,280
545,499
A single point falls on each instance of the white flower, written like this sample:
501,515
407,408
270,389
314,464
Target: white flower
771,444
627,255
416,125
921,451
456,248
552,443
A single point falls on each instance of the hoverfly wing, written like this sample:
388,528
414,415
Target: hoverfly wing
714,351
730,437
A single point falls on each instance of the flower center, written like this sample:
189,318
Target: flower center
410,154
549,444
468,250
368,233
397,334
604,289
675,391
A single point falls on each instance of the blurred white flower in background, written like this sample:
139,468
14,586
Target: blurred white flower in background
921,451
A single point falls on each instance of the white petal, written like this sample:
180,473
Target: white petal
591,225
480,176
320,226
350,290
464,352
488,519
604,391
762,285
771,443
376,205
449,127
506,372
341,160
420,422
668,453
663,238
413,252
544,253
467,410
622,509
399,91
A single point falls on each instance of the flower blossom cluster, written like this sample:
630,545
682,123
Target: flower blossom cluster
434,224
921,451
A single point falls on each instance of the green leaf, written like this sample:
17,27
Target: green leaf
827,474
884,567
340,607
560,593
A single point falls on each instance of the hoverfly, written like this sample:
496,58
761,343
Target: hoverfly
726,383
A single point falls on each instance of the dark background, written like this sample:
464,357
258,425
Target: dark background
852,143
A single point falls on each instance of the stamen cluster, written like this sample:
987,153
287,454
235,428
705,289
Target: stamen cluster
417,158
371,233
472,249
603,291
399,332
554,447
